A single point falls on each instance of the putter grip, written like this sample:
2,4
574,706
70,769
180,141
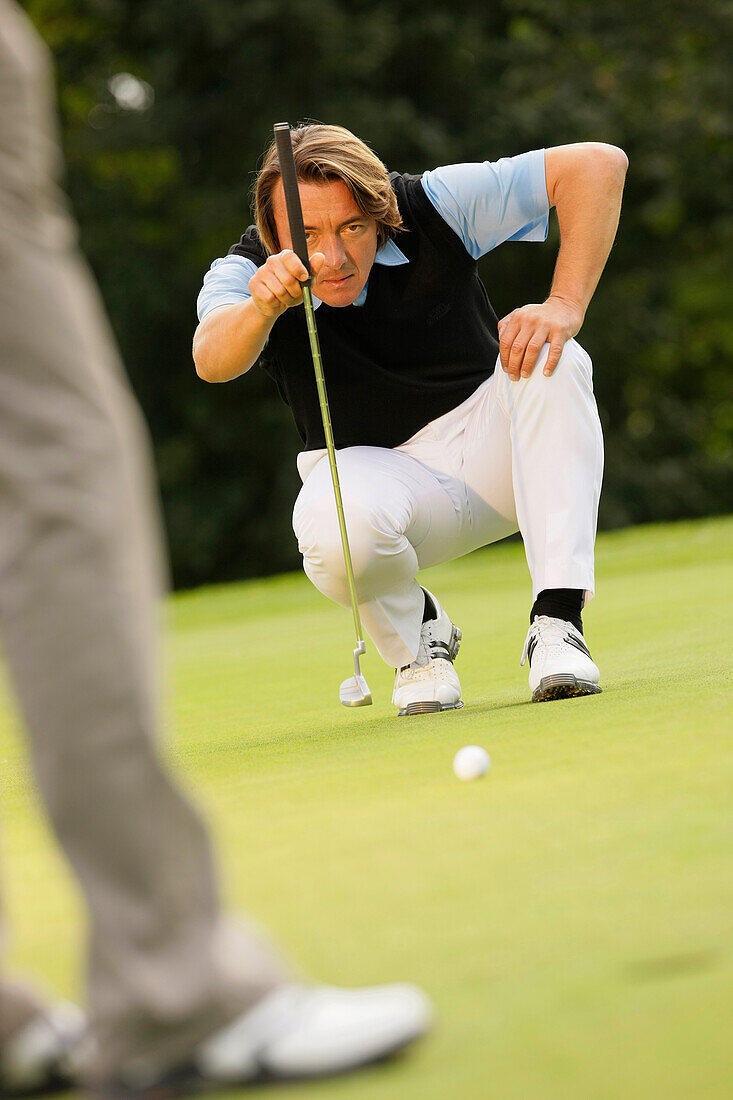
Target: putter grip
289,177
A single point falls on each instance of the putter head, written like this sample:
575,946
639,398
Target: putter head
355,692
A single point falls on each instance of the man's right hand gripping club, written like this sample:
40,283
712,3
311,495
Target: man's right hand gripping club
232,337
277,285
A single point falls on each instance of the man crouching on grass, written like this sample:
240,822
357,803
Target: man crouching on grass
440,452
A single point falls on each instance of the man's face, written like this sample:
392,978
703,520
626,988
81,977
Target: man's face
336,227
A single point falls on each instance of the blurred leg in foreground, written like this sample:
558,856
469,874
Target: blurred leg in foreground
80,576
171,984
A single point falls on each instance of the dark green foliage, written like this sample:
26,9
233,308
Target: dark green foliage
161,192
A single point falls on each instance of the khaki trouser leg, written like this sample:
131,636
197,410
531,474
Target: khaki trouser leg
79,580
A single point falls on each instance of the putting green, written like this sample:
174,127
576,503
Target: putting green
571,914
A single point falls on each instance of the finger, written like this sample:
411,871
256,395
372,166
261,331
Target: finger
553,358
535,344
288,270
293,266
287,295
509,330
517,353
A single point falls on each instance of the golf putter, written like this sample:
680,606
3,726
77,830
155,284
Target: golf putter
354,692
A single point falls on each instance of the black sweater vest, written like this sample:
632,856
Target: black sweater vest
423,341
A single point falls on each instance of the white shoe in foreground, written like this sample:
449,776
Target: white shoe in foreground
36,1059
300,1032
560,663
430,683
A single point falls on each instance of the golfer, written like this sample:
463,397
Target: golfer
453,429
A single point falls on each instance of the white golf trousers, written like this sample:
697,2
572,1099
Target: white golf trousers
524,456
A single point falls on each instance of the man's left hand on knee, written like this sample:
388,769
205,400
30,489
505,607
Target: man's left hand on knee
525,331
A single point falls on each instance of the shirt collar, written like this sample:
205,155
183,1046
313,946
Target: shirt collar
389,255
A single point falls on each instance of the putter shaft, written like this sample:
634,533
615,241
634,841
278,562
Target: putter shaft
326,417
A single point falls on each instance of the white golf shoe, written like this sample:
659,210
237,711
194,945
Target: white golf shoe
560,663
430,682
296,1032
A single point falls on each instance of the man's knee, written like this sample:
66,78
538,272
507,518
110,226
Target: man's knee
319,541
372,542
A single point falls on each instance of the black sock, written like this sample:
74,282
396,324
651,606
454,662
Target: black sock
429,611
560,603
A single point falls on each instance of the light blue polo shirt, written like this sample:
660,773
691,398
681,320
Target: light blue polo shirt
484,203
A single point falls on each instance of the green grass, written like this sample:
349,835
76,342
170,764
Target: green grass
571,914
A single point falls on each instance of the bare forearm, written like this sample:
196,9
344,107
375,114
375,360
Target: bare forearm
585,183
588,203
229,340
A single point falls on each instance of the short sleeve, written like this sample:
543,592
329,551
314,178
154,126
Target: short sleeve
226,283
491,202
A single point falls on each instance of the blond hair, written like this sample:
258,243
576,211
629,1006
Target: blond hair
325,153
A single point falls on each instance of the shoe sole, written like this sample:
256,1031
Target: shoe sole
427,708
563,686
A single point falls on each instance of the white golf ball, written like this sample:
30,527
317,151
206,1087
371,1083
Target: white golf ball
471,762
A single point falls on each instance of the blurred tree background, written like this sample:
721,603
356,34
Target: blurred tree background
167,104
